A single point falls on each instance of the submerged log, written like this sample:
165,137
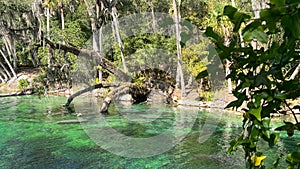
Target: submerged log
75,121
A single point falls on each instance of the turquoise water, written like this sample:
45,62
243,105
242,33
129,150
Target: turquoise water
32,138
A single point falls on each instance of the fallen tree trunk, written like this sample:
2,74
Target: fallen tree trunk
93,56
113,94
18,93
97,86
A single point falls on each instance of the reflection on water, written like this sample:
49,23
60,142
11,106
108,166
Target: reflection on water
31,137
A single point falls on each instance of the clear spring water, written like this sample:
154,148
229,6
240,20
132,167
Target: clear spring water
31,138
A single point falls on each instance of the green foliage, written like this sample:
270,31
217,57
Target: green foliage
195,58
261,68
293,159
23,84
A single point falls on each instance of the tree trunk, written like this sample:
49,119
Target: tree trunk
6,71
113,94
118,35
227,62
48,22
95,31
227,70
9,65
100,39
89,89
62,15
18,93
257,6
93,56
295,73
178,39
3,74
153,18
14,52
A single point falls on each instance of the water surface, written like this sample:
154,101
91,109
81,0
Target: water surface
31,137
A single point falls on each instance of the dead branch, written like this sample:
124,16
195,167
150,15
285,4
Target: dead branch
113,94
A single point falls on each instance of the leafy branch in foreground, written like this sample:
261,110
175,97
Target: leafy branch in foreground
262,65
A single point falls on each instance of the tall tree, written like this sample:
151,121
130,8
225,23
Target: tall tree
7,62
177,19
116,27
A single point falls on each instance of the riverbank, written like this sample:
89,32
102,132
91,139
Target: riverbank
219,101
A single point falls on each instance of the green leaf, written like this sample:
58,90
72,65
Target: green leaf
273,139
280,96
187,24
288,127
252,26
296,156
291,25
262,79
256,113
210,33
235,143
238,19
229,11
278,3
202,75
258,34
266,122
167,22
185,36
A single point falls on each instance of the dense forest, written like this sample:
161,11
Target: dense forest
69,42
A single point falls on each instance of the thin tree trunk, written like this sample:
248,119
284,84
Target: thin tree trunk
3,74
48,23
233,3
153,18
295,73
227,70
7,45
14,53
48,36
100,40
4,68
255,7
118,35
9,65
62,15
178,39
95,31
